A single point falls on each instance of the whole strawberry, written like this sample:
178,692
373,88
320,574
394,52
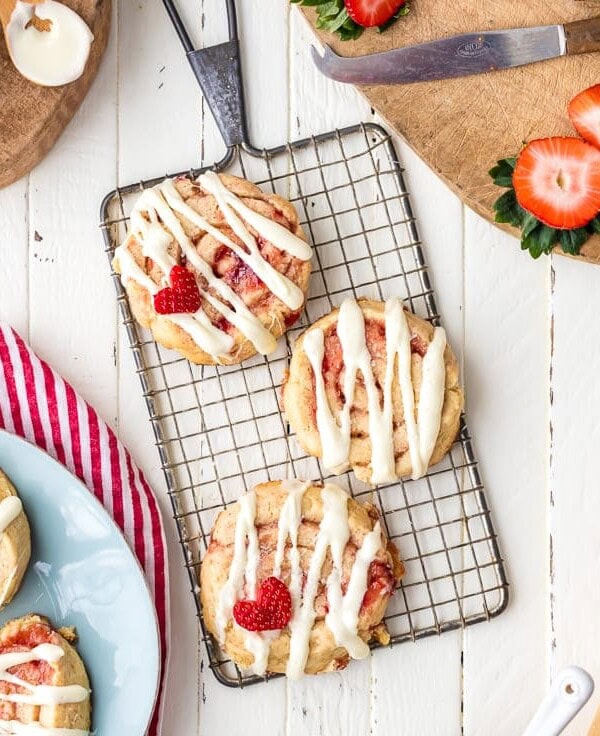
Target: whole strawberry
369,13
349,18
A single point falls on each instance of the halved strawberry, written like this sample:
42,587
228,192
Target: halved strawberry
584,111
369,13
558,181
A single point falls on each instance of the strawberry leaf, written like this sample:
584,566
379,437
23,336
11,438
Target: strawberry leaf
503,171
572,240
537,238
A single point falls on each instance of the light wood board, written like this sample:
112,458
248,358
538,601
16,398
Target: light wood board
33,117
461,127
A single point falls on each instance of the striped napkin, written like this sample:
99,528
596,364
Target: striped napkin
40,406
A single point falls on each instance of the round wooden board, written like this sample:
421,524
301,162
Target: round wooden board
460,127
33,117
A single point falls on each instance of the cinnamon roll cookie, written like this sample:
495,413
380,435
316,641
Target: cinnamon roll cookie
44,687
297,578
374,388
15,541
216,268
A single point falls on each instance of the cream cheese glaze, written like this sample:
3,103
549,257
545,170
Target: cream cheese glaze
155,223
10,508
38,694
333,534
335,431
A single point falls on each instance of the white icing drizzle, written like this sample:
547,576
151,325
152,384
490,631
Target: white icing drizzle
290,519
335,431
280,285
334,533
7,585
38,694
16,728
10,508
342,618
244,566
164,201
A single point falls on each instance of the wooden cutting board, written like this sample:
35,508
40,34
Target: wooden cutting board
460,127
33,117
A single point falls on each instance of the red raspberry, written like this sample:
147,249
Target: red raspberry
182,296
271,610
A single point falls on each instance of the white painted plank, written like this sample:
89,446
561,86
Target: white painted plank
159,99
261,708
507,343
159,132
575,470
14,264
72,306
417,687
316,106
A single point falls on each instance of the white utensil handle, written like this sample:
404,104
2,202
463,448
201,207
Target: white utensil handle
570,691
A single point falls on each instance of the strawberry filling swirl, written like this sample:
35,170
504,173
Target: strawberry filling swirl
333,369
36,673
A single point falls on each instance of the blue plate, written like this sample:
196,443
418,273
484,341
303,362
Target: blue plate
83,574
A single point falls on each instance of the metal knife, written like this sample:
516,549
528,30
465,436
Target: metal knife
464,55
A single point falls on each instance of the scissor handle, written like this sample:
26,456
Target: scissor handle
219,73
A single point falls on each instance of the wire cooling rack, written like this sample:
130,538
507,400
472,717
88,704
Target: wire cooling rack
219,430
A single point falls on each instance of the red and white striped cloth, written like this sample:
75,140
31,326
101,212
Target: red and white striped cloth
37,404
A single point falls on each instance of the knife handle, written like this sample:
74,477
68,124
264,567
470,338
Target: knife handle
583,36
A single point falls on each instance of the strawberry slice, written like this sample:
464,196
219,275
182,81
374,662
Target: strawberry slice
584,111
182,296
558,181
369,13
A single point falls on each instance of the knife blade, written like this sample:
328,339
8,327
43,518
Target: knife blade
461,56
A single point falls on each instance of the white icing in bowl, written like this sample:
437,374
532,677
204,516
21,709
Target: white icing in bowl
50,58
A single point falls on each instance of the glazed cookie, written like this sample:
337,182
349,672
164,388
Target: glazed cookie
216,268
297,578
374,388
15,541
43,682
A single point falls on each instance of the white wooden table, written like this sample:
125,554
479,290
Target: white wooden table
527,332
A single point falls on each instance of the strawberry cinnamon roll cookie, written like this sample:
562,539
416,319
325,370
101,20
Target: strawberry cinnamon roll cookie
15,541
44,687
297,578
374,388
216,268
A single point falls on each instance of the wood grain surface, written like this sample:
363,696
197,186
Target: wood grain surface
33,117
462,126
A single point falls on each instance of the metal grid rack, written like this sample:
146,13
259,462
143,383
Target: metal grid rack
219,430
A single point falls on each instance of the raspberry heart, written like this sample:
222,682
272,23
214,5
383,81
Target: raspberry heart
182,296
271,610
